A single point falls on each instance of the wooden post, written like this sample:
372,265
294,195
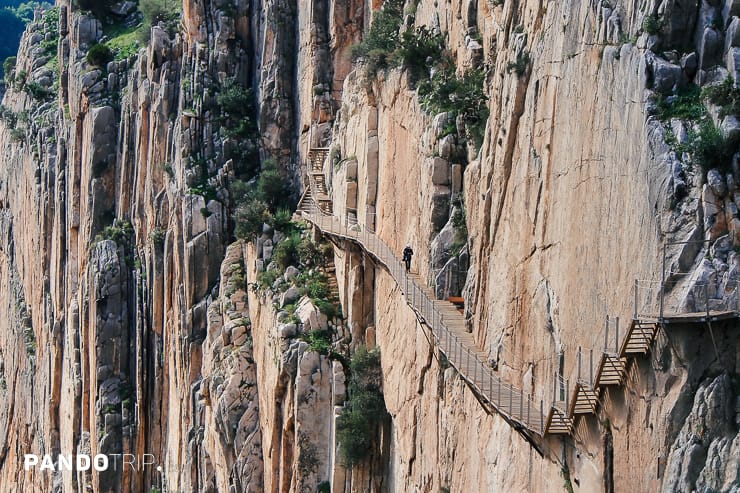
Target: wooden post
579,362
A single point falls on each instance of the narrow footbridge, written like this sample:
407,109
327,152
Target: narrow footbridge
532,417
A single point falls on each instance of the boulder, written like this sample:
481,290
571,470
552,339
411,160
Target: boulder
732,36
448,147
717,182
689,64
287,331
339,387
730,127
709,48
730,9
291,295
714,217
310,316
457,178
290,273
440,206
666,77
239,335
733,65
440,170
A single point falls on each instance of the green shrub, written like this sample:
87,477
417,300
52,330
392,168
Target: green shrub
99,55
310,254
328,308
365,408
446,92
708,147
17,134
271,186
237,109
286,252
724,95
318,340
417,48
315,286
382,38
157,236
9,67
239,277
120,231
249,218
265,201
686,105
36,91
520,65
651,24
30,340
282,220
267,278
123,40
156,11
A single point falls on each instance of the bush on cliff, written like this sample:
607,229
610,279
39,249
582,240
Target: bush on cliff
99,55
156,11
9,68
261,202
419,50
365,410
463,95
382,39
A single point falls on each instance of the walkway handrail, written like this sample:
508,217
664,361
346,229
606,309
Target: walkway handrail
508,400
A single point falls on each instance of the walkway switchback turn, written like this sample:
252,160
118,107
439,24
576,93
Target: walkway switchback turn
533,418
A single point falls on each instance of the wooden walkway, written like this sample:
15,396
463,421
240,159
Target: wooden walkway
448,326
531,418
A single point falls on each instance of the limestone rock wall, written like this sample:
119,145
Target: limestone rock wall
128,321
568,202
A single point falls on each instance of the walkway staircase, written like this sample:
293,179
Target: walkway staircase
447,324
316,191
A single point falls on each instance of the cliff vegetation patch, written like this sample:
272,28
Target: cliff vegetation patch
430,66
365,410
703,141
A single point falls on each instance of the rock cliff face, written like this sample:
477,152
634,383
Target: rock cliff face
132,322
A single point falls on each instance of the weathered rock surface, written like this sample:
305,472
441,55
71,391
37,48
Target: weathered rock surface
143,335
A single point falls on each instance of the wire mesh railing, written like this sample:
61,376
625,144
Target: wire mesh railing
447,326
684,296
581,364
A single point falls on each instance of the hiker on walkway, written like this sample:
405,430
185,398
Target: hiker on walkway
407,253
